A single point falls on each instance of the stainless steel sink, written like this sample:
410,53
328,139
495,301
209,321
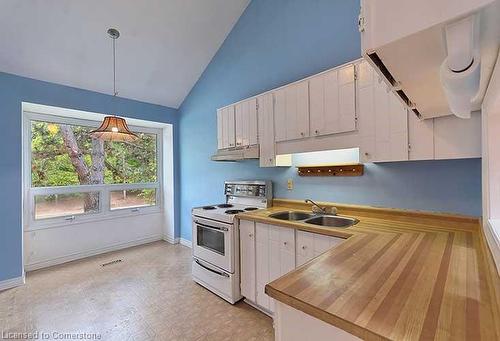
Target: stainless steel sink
332,221
291,215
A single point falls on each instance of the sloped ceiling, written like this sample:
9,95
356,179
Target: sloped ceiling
163,49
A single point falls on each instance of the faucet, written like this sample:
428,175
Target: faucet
322,209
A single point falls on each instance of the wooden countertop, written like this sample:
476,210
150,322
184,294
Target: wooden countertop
399,275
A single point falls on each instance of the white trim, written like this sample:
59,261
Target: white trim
89,253
170,239
186,242
13,282
259,308
492,234
103,190
165,197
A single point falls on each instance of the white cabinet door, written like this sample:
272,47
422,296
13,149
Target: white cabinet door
291,112
266,130
246,123
262,257
247,259
228,127
310,245
456,138
332,102
421,138
220,139
274,257
366,116
391,125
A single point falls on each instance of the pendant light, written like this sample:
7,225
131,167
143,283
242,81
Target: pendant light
114,128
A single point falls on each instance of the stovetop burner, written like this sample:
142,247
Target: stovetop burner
251,208
224,205
233,211
208,208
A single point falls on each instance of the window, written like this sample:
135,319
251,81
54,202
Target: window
76,177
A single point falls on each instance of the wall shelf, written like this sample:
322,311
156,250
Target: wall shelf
334,170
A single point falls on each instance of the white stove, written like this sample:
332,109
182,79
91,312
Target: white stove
216,237
222,212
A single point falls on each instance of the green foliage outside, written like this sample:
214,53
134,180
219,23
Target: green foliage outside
124,162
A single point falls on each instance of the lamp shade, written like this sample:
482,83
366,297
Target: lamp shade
114,128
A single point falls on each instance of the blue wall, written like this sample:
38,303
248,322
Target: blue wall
13,91
276,42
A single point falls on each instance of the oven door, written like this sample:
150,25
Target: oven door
212,242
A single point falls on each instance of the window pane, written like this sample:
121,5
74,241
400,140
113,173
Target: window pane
131,162
132,198
60,205
66,155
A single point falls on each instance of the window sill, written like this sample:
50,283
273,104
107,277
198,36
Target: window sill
116,214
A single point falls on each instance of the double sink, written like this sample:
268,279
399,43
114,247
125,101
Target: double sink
325,220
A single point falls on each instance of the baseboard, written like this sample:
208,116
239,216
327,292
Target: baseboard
492,235
11,283
186,242
89,253
171,240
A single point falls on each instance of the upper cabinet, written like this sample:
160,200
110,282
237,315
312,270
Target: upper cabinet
332,102
226,137
246,123
383,120
266,130
291,112
350,106
237,125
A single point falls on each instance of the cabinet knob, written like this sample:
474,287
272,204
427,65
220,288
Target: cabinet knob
366,154
304,247
285,243
270,159
316,131
301,134
250,235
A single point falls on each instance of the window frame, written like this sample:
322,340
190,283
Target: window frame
104,190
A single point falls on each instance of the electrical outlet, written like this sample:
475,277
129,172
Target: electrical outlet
290,184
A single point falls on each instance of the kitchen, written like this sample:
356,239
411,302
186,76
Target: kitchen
326,176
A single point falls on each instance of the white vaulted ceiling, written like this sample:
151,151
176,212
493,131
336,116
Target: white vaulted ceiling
164,45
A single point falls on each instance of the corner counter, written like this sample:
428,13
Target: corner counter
400,275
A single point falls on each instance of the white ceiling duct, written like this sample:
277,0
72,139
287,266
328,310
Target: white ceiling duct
460,72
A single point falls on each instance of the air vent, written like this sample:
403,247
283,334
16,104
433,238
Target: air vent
380,65
403,97
112,262
385,72
416,112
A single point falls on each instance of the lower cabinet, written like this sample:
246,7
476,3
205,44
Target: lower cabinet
247,259
269,252
310,245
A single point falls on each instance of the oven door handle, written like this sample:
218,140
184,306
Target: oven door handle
220,273
212,227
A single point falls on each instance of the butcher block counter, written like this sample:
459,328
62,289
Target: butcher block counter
399,275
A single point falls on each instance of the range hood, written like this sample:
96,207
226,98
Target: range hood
406,42
236,154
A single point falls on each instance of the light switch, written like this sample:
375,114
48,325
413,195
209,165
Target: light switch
290,184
